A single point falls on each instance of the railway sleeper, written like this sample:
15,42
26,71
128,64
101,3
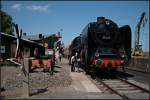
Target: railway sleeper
126,88
121,86
111,81
127,91
117,84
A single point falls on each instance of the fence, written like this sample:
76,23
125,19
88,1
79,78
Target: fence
140,64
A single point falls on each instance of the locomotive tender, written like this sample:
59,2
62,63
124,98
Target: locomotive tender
104,45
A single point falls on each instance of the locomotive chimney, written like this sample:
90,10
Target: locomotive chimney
100,19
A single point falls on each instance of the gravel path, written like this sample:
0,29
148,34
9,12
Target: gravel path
12,80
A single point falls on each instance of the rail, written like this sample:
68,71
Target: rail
110,84
113,90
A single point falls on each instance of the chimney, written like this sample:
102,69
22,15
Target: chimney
100,19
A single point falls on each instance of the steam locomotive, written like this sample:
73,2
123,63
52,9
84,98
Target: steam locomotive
103,45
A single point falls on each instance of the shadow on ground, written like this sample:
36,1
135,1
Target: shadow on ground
39,91
57,66
42,70
124,74
112,75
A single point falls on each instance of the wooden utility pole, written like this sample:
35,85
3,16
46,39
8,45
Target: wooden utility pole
25,69
24,63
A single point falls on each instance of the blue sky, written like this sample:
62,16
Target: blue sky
49,17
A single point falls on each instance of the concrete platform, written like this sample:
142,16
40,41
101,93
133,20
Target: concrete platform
83,83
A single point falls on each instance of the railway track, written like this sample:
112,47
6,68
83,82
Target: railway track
124,88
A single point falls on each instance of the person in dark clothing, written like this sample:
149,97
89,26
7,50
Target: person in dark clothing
36,53
60,57
73,61
78,63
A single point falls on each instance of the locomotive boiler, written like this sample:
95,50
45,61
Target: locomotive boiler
104,45
75,45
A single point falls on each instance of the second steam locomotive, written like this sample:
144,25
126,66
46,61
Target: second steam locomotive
104,45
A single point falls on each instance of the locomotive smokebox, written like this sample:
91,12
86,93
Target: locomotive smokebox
100,19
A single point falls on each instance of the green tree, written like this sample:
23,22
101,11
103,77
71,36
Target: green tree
6,23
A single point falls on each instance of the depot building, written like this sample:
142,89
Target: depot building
9,44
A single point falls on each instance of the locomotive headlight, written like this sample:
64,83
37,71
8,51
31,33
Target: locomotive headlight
122,56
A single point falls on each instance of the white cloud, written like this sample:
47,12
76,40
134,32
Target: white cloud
38,8
16,6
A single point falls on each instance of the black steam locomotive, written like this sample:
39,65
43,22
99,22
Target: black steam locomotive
104,45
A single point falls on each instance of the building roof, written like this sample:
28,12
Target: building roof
35,37
27,40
